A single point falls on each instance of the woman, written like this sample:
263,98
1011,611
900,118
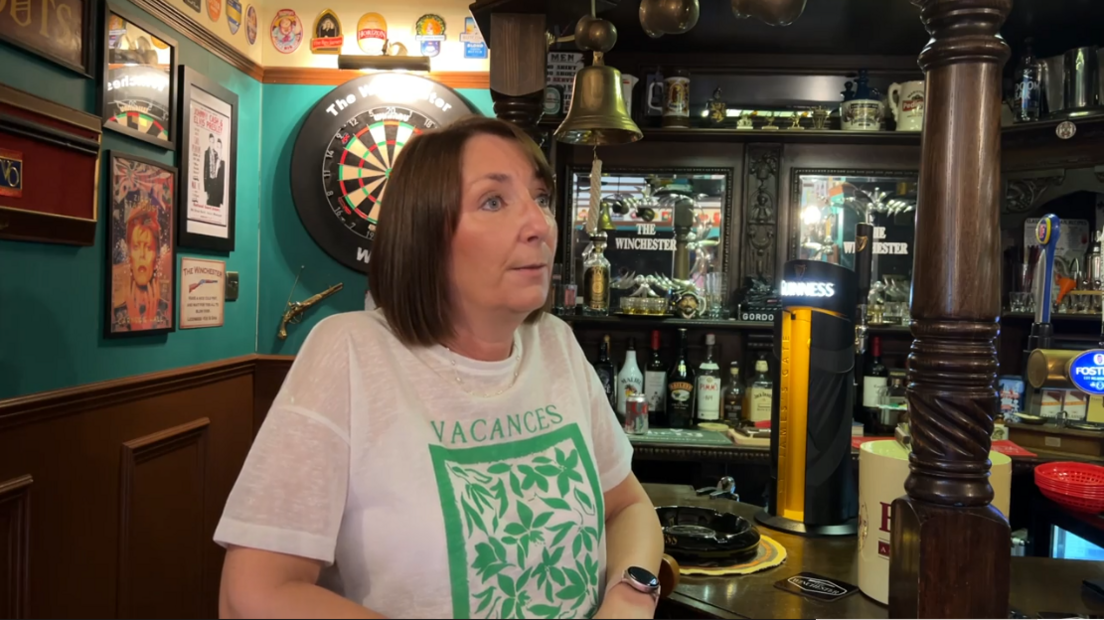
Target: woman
451,453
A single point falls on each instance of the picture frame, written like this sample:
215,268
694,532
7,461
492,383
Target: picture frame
140,283
50,33
202,293
208,140
138,93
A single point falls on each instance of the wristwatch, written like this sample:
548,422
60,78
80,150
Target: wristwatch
639,579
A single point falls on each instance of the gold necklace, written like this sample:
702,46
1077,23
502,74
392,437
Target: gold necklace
460,382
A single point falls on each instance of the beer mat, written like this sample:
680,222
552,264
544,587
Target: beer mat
770,554
816,587
1003,446
682,436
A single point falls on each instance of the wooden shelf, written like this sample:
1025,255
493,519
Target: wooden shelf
807,136
649,322
1054,317
646,322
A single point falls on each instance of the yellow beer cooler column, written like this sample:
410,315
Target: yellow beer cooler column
812,488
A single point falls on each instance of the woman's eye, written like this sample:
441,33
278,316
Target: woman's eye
494,203
544,201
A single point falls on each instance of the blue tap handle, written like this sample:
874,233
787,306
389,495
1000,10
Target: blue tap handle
1047,234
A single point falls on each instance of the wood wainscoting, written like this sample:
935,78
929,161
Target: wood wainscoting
110,493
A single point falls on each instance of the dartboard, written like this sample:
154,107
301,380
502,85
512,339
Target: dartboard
142,122
346,148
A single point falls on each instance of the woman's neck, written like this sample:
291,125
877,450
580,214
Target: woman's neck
487,341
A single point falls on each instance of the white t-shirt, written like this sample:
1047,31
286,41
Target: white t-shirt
423,500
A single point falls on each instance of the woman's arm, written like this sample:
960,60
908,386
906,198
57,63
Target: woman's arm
263,584
633,538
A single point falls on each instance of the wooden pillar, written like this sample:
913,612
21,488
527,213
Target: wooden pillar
518,59
950,547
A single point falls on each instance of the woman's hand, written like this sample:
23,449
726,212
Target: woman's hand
624,602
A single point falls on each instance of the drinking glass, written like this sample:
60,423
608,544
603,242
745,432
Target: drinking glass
716,292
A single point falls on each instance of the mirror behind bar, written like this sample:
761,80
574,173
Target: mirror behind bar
643,239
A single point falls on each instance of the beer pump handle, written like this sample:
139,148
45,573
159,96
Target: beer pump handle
1047,234
684,222
864,255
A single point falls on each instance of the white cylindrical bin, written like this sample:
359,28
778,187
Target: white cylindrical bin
883,467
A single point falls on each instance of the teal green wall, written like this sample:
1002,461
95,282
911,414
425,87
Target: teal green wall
285,244
51,297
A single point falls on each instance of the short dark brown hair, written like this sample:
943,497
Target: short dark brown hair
408,272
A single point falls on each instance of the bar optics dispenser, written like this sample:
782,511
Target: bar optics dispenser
812,487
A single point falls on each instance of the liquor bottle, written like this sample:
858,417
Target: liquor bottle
734,397
708,385
757,399
875,378
606,372
1027,95
680,389
655,384
596,279
630,381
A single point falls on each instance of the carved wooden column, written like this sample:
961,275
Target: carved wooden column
950,548
518,58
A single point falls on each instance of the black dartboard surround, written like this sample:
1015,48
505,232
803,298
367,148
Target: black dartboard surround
345,150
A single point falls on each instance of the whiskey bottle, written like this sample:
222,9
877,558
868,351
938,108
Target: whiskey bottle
734,397
708,385
680,389
596,279
757,401
607,374
655,384
630,381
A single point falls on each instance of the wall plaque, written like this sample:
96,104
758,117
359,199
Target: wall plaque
11,173
54,29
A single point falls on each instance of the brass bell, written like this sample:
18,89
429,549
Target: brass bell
598,115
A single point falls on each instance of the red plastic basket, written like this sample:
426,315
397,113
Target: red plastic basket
1073,475
1077,486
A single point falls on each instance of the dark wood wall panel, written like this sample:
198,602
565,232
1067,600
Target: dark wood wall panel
161,525
15,533
130,479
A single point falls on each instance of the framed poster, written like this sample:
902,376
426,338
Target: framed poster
141,262
202,292
208,159
138,94
57,30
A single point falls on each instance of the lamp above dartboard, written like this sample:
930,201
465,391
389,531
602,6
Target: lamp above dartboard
346,147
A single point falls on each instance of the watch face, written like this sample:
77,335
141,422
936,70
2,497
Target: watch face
642,577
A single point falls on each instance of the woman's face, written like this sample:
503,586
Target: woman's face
506,237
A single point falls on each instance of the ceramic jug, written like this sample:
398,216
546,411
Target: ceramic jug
906,104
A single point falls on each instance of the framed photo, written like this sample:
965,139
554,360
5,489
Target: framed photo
138,94
141,263
208,159
58,30
202,292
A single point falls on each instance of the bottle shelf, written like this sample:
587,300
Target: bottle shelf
651,322
1054,317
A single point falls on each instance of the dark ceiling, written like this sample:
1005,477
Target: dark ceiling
835,27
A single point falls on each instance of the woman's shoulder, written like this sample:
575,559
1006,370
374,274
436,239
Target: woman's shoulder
362,328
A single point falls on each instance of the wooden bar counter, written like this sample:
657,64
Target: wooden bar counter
1038,584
